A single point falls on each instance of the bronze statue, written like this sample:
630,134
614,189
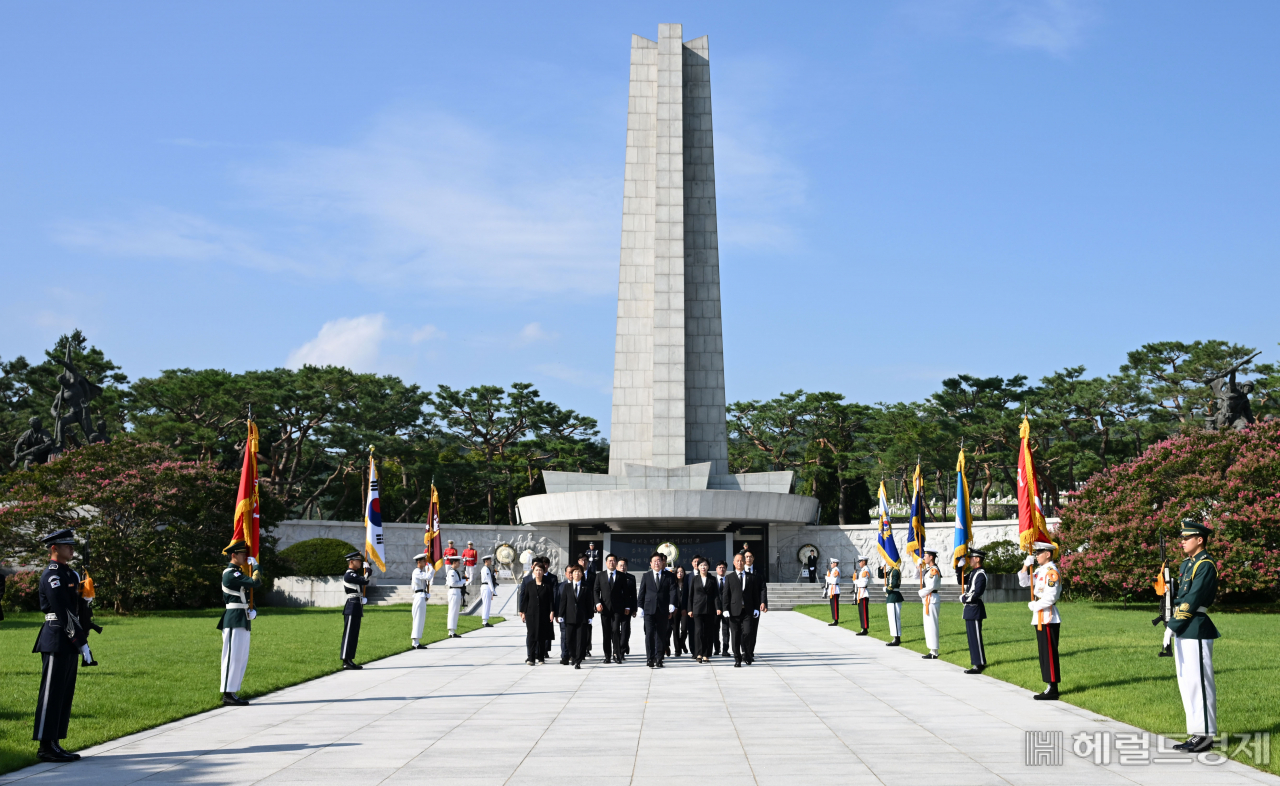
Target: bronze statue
71,405
1232,410
33,447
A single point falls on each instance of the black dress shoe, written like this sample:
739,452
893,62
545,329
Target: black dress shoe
737,664
1167,652
420,647
232,700
564,661
91,663
577,665
486,625
862,632
658,665
832,624
929,657
48,753
649,663
528,663
58,749
897,642
975,670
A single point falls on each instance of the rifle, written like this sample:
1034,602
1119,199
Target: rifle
1166,587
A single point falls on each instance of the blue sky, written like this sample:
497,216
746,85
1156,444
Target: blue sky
907,190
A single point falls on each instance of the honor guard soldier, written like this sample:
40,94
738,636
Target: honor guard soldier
449,551
861,582
488,588
975,611
833,591
353,583
455,583
241,575
1193,635
1046,588
893,604
469,556
58,647
929,597
420,583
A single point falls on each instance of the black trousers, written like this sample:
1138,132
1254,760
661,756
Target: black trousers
740,627
576,635
753,627
1047,643
725,626
813,575
835,608
977,652
350,636
680,632
564,642
655,636
625,628
532,644
704,634
864,613
611,633
57,689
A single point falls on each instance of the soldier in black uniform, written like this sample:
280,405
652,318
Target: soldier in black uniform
353,582
975,611
58,647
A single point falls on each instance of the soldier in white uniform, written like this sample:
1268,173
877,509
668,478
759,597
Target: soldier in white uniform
455,583
420,583
1046,587
861,597
929,597
488,588
833,591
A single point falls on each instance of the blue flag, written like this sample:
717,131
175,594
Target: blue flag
915,538
884,541
964,521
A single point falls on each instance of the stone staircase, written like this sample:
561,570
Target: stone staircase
784,597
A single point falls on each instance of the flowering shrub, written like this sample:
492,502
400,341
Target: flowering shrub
22,591
1229,480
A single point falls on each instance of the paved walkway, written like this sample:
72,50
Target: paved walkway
819,703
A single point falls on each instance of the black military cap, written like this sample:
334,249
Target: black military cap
59,538
354,555
237,546
977,553
1191,527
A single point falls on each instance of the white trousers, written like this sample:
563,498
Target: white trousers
455,608
894,611
1194,659
235,657
468,571
486,601
419,611
931,622
1168,636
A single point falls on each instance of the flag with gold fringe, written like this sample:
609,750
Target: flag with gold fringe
373,539
964,518
915,538
247,515
885,543
435,552
1031,524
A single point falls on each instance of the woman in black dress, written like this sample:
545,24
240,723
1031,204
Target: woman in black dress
679,624
538,616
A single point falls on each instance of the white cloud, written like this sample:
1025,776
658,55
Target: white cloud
533,332
425,333
1052,26
353,343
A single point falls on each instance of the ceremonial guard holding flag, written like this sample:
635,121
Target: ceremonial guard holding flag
931,582
975,610
455,583
862,596
420,583
888,549
488,588
1193,635
56,643
833,590
1046,588
238,579
354,582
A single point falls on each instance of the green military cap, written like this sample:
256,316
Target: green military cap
236,546
1191,527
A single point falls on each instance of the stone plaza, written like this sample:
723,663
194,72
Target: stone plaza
820,703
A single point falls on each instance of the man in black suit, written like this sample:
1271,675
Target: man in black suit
721,642
811,565
610,594
656,599
741,605
556,589
749,565
630,603
574,610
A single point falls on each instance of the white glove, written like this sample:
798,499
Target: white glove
253,561
560,620
640,613
1032,605
253,614
726,612
671,608
1026,563
755,612
363,601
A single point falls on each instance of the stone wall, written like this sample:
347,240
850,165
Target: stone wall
404,541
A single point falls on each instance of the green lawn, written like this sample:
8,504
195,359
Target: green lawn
160,667
1109,662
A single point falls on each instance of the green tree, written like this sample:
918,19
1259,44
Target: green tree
1176,375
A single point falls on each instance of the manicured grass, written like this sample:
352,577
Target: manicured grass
160,667
1109,662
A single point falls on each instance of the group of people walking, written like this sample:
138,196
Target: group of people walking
701,612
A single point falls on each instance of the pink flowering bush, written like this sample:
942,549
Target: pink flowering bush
1228,480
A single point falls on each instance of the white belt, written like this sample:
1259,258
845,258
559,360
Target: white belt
51,617
237,605
1202,610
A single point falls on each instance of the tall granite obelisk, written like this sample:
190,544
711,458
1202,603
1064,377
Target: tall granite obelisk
668,377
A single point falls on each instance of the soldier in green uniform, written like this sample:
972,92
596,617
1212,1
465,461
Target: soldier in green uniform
1193,635
893,603
238,578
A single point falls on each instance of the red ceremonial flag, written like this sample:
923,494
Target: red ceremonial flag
435,553
246,520
1031,523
